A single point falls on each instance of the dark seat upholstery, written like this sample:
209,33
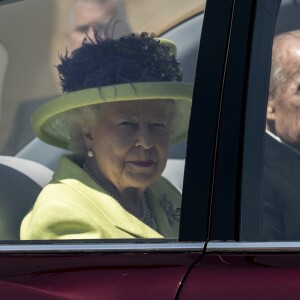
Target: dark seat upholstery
20,183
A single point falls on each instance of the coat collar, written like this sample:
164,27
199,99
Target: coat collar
71,174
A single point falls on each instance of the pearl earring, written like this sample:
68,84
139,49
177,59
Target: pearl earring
137,145
90,153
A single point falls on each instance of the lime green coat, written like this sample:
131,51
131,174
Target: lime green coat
73,206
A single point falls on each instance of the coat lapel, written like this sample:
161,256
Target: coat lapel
109,207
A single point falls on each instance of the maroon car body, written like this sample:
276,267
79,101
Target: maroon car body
94,276
244,276
220,253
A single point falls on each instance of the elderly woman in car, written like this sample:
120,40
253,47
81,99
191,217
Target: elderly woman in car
122,107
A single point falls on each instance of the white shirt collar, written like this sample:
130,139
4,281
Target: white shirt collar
282,142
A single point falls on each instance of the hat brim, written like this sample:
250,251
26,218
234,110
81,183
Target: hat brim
48,120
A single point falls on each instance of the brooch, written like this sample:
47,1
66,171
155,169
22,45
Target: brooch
172,212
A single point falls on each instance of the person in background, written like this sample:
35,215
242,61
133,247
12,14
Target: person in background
123,105
281,185
103,15
83,15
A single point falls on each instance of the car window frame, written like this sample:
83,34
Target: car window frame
255,124
199,212
197,243
239,169
210,68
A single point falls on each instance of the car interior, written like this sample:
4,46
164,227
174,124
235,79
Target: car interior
29,177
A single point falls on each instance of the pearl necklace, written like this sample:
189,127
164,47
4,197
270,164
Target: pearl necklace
147,217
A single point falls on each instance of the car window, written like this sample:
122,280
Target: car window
28,79
37,77
281,157
273,213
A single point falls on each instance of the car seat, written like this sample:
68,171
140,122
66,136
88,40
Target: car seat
174,172
3,67
21,182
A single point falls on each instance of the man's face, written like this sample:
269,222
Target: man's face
284,106
87,15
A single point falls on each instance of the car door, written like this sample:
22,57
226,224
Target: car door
220,252
241,261
129,269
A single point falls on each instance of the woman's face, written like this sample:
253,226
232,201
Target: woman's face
131,142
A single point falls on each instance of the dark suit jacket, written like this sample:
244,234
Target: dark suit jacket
281,192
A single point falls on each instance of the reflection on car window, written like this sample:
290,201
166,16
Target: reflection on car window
281,169
282,143
126,99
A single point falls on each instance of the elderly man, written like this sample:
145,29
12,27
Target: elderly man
282,146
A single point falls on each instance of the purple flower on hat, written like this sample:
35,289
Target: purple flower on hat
103,62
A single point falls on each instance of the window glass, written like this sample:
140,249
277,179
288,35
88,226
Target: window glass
281,190
279,209
34,35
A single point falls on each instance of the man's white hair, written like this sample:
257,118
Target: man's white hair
280,71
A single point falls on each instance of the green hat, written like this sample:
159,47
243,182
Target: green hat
50,123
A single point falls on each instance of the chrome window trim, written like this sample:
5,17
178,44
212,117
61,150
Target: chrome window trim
269,247
101,248
212,247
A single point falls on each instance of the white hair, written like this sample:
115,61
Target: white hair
280,71
82,120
